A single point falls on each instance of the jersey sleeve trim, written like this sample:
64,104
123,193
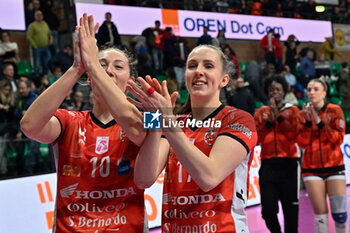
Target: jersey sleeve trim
237,139
60,131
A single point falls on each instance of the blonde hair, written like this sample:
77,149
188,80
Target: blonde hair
323,83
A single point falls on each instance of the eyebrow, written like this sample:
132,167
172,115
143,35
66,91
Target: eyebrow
205,60
116,60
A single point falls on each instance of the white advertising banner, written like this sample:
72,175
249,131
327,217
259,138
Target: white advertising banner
27,204
342,36
254,188
12,15
346,151
133,20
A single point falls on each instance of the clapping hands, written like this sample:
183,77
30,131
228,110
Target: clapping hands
159,99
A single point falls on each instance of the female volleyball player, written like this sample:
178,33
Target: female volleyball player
95,150
323,163
206,150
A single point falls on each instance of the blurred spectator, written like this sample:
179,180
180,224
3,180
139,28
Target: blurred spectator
290,98
253,76
169,48
29,79
26,163
228,51
140,46
171,80
268,71
52,20
278,52
291,56
297,14
208,5
309,11
344,85
336,15
85,88
269,7
68,102
144,65
308,47
158,50
307,69
328,49
241,97
149,36
267,45
296,87
191,5
44,84
323,68
90,104
57,73
256,8
288,8
64,59
222,6
40,38
346,18
205,38
30,11
8,49
8,71
234,3
292,38
220,40
7,104
181,53
78,100
244,9
108,34
289,77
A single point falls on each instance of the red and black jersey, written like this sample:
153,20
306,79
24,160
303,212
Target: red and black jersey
186,208
95,188
322,142
278,138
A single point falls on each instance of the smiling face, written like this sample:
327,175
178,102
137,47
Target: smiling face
204,73
316,92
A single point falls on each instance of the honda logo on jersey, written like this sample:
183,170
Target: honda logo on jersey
101,145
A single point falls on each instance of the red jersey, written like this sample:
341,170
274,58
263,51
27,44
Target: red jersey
264,44
278,138
95,188
278,49
322,142
186,208
159,37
